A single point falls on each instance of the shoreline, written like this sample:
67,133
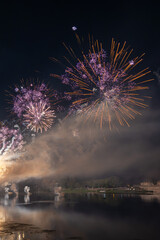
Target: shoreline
108,191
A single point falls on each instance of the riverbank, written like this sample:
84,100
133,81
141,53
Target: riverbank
108,190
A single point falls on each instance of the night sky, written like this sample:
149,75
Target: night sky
33,32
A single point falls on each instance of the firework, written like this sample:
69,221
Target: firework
38,116
104,86
11,140
32,105
25,95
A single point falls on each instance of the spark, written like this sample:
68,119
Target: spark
38,116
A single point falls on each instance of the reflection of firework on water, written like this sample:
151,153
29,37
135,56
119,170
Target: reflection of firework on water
38,116
103,86
32,105
11,140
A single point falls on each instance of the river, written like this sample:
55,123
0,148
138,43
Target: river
74,216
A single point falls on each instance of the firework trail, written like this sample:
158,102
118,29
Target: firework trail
103,86
32,105
11,145
11,140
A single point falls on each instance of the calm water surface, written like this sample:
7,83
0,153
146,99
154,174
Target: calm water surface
71,216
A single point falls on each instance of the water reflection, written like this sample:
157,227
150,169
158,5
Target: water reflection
27,198
151,198
6,199
73,216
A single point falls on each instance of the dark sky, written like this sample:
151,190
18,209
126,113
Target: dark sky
31,32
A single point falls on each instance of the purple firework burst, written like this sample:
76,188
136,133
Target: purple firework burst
32,105
102,86
25,95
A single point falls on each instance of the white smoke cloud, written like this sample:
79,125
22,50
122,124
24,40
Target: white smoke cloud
133,151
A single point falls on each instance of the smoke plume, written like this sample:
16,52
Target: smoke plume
69,150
